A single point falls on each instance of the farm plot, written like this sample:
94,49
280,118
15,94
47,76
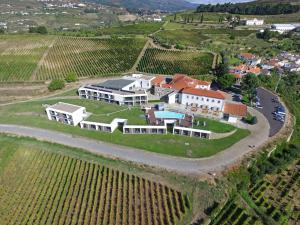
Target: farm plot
20,54
90,57
278,195
40,187
170,62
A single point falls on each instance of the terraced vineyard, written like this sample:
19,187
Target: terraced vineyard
20,54
170,62
90,57
232,213
279,195
38,187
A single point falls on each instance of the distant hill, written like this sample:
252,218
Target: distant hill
259,7
166,5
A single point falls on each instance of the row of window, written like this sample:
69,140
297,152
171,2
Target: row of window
203,99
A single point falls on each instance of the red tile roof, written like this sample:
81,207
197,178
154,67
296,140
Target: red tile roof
205,93
246,69
248,56
181,81
235,109
158,80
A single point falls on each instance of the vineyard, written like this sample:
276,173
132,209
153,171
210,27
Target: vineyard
279,195
90,57
19,55
232,213
39,187
160,61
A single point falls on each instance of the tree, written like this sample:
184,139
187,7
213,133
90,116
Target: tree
226,81
56,85
202,18
249,84
39,30
71,77
2,31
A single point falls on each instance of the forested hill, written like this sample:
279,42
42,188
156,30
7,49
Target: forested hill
166,5
261,7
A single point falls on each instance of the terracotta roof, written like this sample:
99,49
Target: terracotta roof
247,56
205,93
235,109
247,69
158,80
181,81
203,82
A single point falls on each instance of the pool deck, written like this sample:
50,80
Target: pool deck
152,120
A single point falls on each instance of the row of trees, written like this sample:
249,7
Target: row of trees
251,8
38,30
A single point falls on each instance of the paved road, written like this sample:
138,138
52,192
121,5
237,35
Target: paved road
268,108
259,134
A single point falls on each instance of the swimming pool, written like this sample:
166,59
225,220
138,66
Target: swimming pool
168,115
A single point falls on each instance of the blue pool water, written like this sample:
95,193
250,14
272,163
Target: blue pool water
168,115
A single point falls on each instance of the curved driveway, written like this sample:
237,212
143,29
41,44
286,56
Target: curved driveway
259,135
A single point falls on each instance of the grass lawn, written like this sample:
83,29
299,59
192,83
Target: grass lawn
32,114
213,125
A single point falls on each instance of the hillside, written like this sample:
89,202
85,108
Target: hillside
166,5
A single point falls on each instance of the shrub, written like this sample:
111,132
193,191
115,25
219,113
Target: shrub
56,85
39,30
71,77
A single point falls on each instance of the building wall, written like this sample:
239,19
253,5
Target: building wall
113,97
76,117
187,99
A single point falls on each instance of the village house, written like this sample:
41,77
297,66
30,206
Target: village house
252,22
242,70
249,59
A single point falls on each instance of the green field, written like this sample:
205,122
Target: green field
33,114
44,183
133,29
212,125
160,61
90,57
19,55
182,37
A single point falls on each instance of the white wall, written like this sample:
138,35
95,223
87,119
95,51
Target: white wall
212,102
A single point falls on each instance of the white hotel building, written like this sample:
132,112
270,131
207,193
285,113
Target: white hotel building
130,90
204,99
66,113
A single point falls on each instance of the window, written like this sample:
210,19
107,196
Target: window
219,101
202,99
187,96
197,98
213,100
207,99
192,97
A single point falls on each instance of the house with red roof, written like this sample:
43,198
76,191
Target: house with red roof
249,59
